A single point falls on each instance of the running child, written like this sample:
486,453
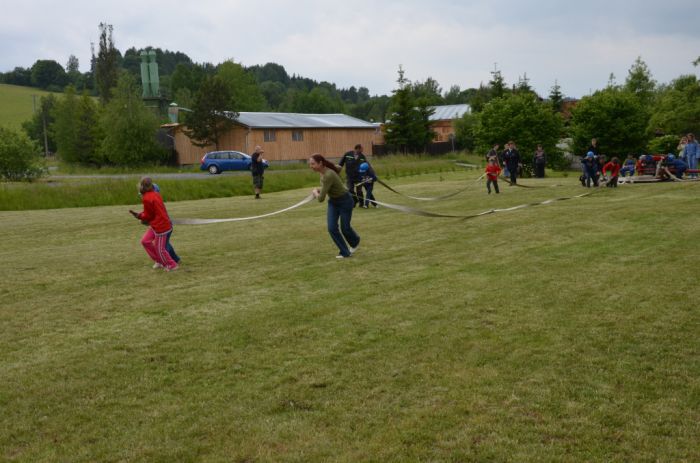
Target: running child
493,170
159,225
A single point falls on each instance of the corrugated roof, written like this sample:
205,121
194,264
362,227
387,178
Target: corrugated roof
303,121
448,112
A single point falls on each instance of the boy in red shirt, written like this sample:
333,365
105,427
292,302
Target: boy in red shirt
154,213
614,168
493,170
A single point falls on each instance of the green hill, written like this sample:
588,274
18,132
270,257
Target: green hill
17,104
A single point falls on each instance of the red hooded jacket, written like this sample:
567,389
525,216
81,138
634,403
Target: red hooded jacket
154,212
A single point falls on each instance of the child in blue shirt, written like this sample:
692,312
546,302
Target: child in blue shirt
628,166
367,179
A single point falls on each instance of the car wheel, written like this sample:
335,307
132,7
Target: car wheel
213,169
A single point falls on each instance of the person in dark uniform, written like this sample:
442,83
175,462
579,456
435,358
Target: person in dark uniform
352,160
511,158
257,168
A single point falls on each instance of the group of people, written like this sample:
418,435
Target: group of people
510,164
342,199
594,164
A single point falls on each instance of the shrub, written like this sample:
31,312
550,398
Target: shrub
666,144
19,157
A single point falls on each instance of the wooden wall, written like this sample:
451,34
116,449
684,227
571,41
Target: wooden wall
331,143
442,129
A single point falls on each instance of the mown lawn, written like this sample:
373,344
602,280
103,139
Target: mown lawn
566,332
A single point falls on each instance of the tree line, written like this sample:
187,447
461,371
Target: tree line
636,116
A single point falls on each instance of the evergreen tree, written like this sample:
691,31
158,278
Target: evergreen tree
556,98
497,84
640,83
399,130
409,126
209,118
76,128
106,63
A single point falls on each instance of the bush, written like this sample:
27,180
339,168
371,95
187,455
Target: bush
19,157
664,145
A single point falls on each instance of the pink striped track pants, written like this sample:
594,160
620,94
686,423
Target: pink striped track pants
154,244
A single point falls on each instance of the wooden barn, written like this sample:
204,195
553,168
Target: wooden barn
443,120
283,136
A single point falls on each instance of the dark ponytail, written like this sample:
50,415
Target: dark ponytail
326,163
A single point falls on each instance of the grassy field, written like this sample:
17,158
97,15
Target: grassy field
101,190
566,332
17,104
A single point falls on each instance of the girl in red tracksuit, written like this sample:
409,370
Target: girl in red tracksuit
493,170
156,216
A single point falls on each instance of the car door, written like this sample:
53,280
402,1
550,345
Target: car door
238,161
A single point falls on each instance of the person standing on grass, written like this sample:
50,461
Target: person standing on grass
493,152
257,168
691,153
159,225
511,157
539,159
493,170
681,146
340,205
352,160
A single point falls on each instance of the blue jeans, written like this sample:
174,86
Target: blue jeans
341,208
369,196
625,170
171,250
693,164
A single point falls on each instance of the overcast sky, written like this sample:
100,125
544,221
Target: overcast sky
362,43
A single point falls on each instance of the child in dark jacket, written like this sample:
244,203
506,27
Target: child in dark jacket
590,170
493,170
367,179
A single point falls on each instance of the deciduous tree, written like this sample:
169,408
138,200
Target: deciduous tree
209,118
129,128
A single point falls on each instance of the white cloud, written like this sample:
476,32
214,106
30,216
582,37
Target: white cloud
362,43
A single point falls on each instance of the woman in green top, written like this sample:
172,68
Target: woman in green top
340,205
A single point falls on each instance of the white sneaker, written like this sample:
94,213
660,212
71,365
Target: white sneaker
157,265
340,256
352,250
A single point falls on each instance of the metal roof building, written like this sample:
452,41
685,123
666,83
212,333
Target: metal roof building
300,121
449,112
284,136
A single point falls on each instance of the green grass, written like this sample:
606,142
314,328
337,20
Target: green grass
50,193
566,332
17,104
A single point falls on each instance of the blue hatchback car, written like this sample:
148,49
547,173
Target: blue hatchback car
218,161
